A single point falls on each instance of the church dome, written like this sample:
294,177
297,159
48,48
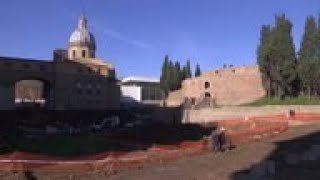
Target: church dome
82,36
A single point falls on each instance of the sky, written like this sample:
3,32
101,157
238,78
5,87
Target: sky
135,35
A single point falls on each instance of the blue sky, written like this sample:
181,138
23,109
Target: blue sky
135,35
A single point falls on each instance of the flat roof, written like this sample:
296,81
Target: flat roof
140,79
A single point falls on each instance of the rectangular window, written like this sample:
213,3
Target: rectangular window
89,92
43,68
8,64
26,66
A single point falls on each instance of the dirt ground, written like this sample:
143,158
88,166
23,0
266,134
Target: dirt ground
283,151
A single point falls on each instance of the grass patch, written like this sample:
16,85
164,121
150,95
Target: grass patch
66,145
4,150
138,138
4,147
300,100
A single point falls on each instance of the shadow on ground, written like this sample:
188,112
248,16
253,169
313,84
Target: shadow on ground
298,158
121,139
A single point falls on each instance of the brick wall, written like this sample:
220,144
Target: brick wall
208,115
228,86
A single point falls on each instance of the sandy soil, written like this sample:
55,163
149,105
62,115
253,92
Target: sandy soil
235,164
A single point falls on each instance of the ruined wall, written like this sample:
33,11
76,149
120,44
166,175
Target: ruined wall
228,86
6,97
175,98
72,85
208,115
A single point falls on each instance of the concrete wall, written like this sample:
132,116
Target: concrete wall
131,91
235,112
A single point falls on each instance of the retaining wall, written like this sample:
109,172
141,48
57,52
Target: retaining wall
208,115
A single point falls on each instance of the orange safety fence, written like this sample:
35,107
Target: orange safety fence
255,128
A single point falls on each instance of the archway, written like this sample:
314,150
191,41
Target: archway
32,94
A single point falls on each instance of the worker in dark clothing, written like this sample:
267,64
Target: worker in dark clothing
220,140
215,141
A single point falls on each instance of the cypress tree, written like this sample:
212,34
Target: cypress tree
197,71
264,57
188,71
177,75
309,55
309,44
318,52
283,55
164,78
183,73
171,74
276,58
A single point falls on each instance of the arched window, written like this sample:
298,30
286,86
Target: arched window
207,94
83,53
33,91
206,85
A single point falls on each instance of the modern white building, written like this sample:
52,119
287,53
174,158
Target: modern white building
143,90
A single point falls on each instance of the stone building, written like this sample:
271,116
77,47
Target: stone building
226,86
74,80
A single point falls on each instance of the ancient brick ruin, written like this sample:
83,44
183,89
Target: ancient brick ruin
226,86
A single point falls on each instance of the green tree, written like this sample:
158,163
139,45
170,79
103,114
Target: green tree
171,73
276,58
264,57
183,73
177,75
283,55
187,70
318,52
197,71
165,73
308,56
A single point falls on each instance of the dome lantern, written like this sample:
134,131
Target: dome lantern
82,42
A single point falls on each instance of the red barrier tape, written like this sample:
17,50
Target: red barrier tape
255,128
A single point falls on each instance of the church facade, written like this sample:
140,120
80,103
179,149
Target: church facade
74,80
